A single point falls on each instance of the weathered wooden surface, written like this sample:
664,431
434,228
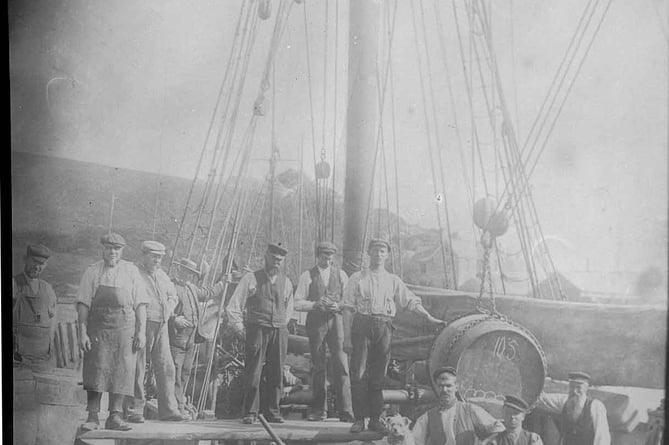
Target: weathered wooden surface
618,345
291,431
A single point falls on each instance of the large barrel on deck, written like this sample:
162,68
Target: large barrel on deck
493,357
48,406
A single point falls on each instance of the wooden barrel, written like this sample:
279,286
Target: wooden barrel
493,357
48,406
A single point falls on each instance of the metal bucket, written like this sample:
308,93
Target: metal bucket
493,357
48,406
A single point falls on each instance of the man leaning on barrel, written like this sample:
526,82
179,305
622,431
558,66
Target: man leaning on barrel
267,295
111,303
371,298
582,419
453,422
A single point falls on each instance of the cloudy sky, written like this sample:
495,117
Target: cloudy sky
133,84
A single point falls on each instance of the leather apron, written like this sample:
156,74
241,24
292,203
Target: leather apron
34,328
110,364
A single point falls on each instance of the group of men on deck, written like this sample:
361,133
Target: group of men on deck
130,313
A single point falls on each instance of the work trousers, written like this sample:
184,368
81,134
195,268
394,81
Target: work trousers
94,398
183,364
158,349
265,355
371,337
325,328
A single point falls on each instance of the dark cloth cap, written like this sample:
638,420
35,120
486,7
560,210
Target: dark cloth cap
276,250
113,239
188,264
378,242
444,369
153,247
516,403
38,250
579,376
326,247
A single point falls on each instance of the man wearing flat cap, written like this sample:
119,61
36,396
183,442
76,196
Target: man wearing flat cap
34,311
111,303
582,419
184,322
515,409
162,298
267,296
453,422
318,293
371,298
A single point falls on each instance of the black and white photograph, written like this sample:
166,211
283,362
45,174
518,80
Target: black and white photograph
314,222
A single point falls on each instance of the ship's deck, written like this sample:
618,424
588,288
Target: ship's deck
293,431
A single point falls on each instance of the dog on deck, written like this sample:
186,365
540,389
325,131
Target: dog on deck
399,432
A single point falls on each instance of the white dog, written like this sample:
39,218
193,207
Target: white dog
399,434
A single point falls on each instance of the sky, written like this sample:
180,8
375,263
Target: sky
133,85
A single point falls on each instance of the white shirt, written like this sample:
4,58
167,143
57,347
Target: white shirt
378,293
553,404
471,419
302,304
247,286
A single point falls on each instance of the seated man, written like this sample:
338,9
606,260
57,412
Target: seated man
515,409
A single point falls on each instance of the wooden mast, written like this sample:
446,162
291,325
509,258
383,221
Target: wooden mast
362,123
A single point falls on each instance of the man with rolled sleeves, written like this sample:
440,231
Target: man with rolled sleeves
162,298
371,298
515,409
453,422
267,295
34,311
183,324
582,419
111,304
319,292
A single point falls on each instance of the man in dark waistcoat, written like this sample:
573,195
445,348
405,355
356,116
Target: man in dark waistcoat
515,409
453,422
267,296
183,324
34,311
319,292
582,419
111,303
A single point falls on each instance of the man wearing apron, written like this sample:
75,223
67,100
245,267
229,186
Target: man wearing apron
162,298
34,311
111,303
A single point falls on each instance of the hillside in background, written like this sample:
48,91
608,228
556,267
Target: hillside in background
66,205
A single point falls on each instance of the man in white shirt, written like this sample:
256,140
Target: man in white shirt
453,422
267,296
371,298
319,292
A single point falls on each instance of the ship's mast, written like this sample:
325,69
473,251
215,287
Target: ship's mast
362,124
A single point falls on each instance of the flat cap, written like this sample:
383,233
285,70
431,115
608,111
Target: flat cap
444,370
153,247
38,250
378,242
188,264
579,376
276,250
326,247
113,239
516,403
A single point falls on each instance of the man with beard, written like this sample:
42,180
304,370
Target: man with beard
162,298
183,324
453,422
582,419
370,302
111,304
34,311
319,292
515,409
267,295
